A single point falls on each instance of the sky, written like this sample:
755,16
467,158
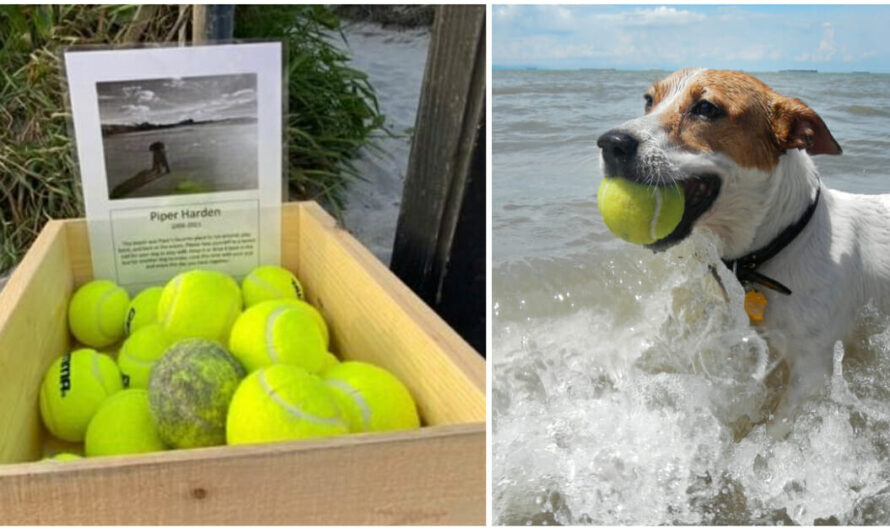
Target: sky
757,38
172,100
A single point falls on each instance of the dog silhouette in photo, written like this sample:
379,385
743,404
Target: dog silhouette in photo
159,167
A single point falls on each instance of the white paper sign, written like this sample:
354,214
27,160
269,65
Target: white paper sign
180,153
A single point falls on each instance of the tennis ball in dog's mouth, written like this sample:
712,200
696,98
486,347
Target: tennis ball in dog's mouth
637,213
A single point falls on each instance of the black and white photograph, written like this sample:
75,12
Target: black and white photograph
177,136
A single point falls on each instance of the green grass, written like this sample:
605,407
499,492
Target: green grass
332,108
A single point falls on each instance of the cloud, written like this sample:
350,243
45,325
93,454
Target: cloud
827,46
649,17
138,111
665,16
144,96
175,82
664,36
506,13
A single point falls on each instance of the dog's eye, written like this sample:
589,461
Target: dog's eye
648,99
706,109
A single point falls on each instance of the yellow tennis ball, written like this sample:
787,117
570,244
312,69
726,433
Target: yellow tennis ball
74,388
63,457
123,425
189,391
270,282
279,331
143,309
638,213
282,402
96,313
372,399
330,361
140,352
200,304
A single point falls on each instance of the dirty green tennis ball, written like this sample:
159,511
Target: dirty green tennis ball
96,313
280,331
637,213
372,399
143,309
74,388
270,282
200,304
140,352
189,391
123,425
283,402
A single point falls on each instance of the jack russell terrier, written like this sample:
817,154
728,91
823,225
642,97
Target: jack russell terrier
742,155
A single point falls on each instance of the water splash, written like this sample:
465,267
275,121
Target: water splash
644,403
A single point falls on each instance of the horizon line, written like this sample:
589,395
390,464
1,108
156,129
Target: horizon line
670,69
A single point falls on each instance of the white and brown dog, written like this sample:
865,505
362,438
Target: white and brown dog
742,154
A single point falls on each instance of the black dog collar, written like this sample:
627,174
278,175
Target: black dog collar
745,267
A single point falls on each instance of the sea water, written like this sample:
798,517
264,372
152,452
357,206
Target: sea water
628,387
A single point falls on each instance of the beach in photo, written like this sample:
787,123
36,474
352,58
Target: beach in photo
178,136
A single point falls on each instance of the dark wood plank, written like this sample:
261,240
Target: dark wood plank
445,161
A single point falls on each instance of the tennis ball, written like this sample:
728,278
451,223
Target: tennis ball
73,389
96,313
189,392
371,398
279,331
282,402
638,213
123,425
139,353
330,360
200,304
63,457
270,282
143,309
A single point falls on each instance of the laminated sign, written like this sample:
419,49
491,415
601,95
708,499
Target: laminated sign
180,154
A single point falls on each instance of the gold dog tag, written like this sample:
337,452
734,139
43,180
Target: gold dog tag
755,305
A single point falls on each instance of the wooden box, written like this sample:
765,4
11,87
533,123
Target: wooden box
433,475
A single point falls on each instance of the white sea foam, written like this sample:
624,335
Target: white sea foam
657,417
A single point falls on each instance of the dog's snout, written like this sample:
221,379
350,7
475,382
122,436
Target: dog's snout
618,146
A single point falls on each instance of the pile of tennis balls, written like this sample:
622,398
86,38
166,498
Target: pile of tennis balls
203,362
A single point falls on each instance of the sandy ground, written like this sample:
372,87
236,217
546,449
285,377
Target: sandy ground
394,60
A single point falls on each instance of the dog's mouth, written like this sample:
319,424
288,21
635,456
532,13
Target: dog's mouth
700,193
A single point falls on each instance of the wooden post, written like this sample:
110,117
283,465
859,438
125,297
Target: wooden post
212,22
439,248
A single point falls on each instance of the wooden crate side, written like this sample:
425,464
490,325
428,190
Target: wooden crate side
290,236
376,318
79,250
33,332
431,476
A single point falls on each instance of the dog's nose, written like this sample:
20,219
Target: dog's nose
618,146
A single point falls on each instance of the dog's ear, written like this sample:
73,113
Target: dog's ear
797,126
